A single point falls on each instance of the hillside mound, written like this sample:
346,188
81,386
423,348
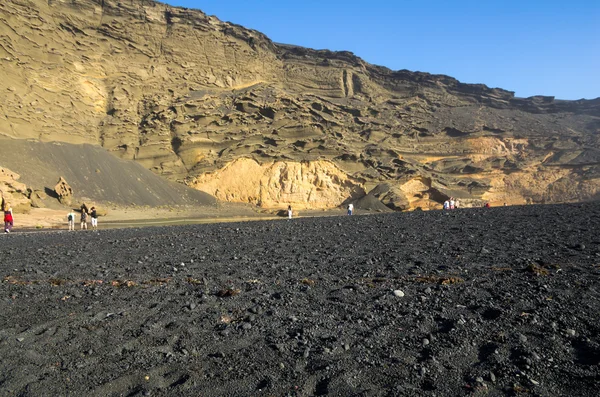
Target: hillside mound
94,174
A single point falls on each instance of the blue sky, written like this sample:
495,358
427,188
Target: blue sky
532,47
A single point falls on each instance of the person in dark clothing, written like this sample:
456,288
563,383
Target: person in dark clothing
94,216
84,217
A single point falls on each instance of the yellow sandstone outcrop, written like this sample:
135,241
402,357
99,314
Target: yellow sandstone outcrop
12,192
304,185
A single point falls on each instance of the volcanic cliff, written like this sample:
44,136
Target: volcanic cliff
227,111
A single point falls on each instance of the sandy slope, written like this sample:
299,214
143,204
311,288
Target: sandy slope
94,174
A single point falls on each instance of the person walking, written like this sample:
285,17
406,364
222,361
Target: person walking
94,216
8,220
71,220
84,216
290,212
350,209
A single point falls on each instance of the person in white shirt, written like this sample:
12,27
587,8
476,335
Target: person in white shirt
290,212
94,216
452,203
350,209
446,205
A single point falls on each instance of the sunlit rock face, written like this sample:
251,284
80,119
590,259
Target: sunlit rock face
195,99
312,184
13,194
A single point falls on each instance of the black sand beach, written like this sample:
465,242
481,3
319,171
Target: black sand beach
500,301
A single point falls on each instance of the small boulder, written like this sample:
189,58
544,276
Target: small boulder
63,191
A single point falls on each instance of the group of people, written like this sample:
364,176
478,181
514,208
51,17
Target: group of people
85,215
290,213
451,204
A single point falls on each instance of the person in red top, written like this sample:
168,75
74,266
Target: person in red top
8,220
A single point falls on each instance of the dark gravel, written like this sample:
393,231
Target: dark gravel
501,301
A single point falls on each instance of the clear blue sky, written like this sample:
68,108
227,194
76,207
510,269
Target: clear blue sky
532,47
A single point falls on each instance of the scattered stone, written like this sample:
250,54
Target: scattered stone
228,292
225,332
522,338
538,270
399,293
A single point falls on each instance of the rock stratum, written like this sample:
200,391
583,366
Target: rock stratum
227,111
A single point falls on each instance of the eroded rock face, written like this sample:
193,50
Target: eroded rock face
185,95
64,192
13,193
411,194
311,184
36,198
